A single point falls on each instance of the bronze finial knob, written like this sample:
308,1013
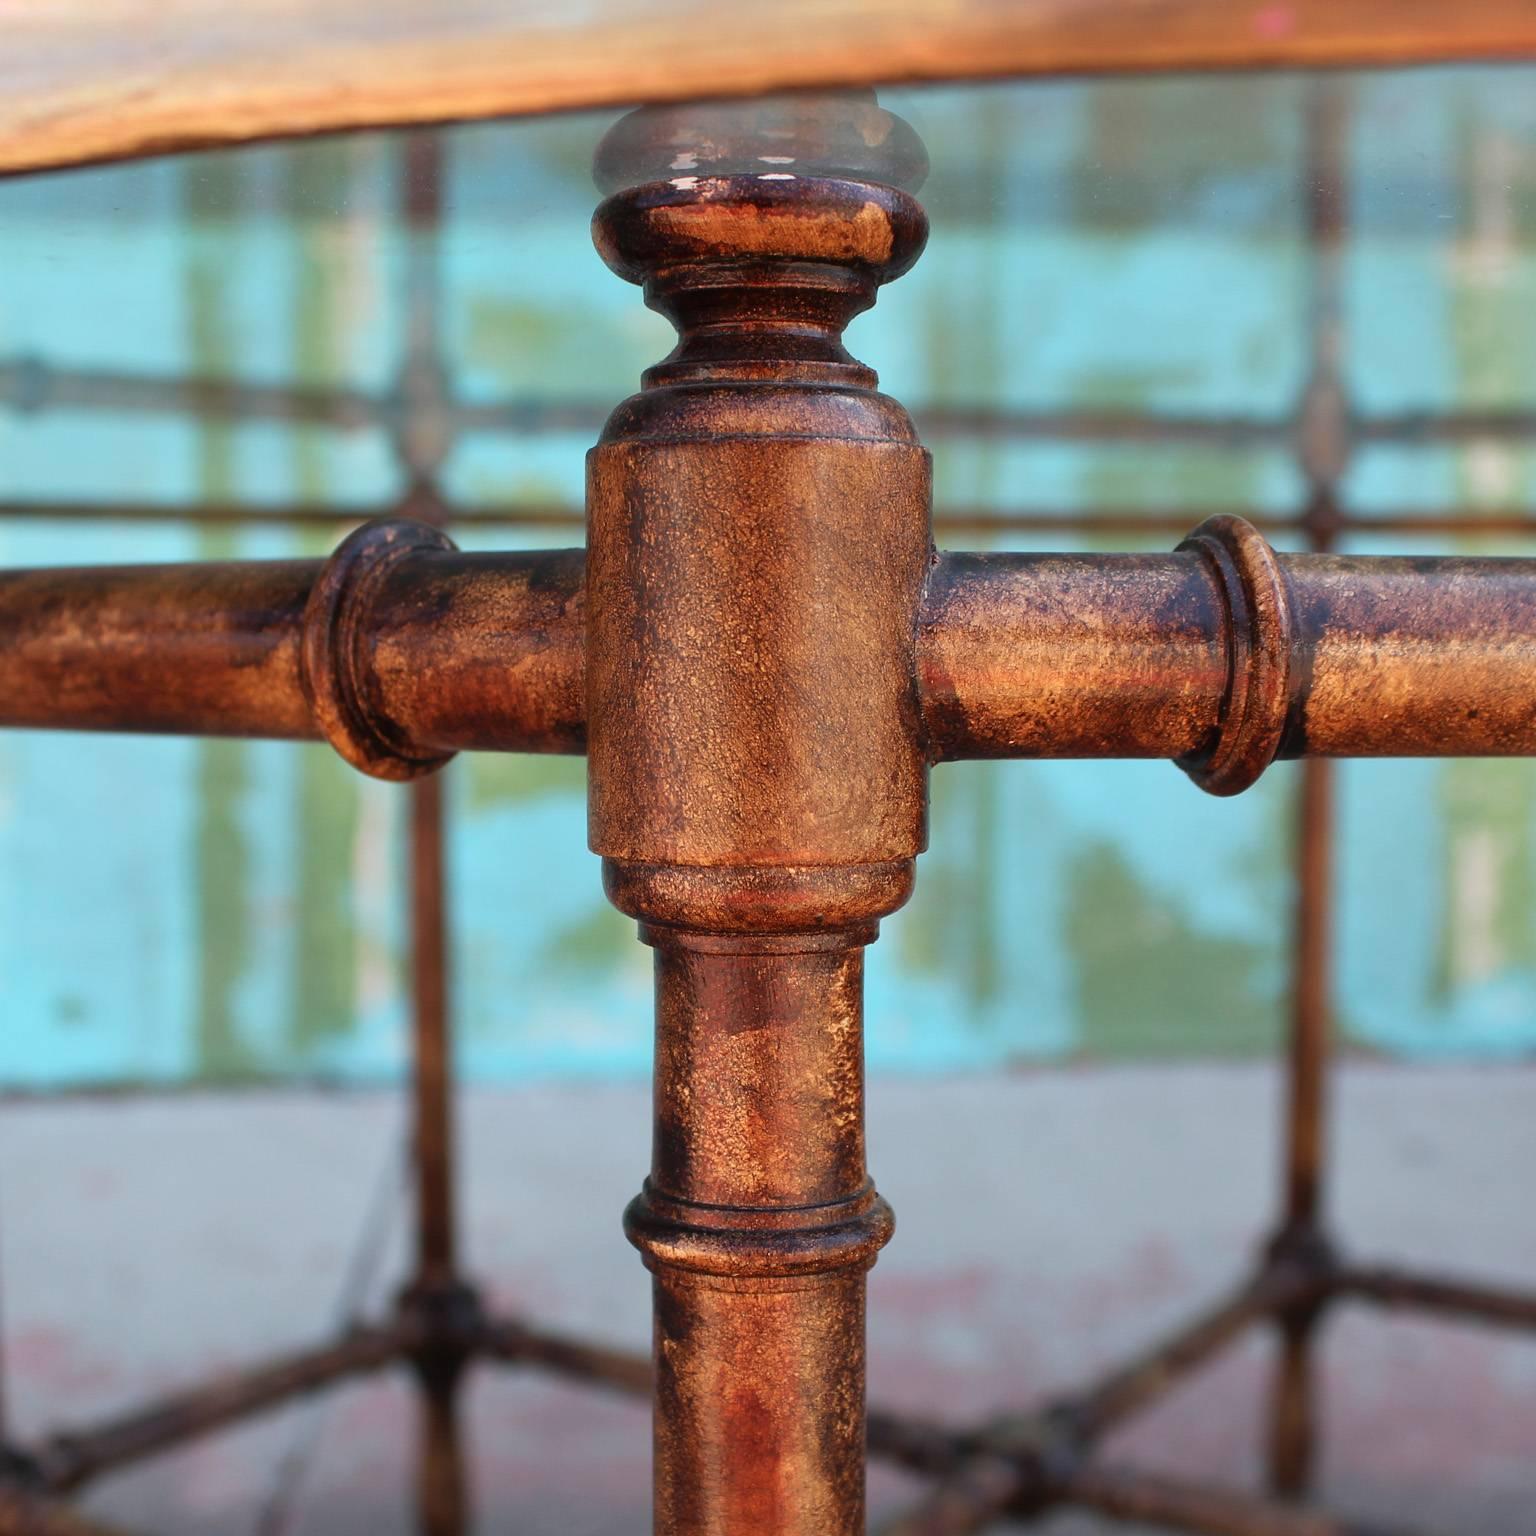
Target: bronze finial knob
761,228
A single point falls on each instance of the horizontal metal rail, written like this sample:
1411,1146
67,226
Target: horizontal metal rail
1392,1287
1019,1464
1145,1498
397,654
1225,655
1099,1408
65,1461
401,650
518,1343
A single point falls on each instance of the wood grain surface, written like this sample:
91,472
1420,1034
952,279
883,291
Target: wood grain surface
89,80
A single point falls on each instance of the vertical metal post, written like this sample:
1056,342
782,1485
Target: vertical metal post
1294,1409
441,1298
758,536
431,1065
1323,447
758,1222
420,448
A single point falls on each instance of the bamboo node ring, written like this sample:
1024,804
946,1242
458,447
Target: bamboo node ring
1259,640
333,660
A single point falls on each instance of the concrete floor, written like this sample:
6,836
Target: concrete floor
1048,1224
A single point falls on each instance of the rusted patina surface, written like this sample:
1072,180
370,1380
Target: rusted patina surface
1226,655
400,650
205,649
758,1221
1071,656
757,542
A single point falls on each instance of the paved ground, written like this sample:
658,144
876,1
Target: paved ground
1047,1224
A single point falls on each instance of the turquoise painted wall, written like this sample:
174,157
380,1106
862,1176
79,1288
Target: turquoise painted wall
182,912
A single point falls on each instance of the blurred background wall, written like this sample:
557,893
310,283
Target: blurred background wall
186,914
183,912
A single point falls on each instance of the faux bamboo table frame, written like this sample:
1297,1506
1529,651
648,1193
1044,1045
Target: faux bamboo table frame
762,655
